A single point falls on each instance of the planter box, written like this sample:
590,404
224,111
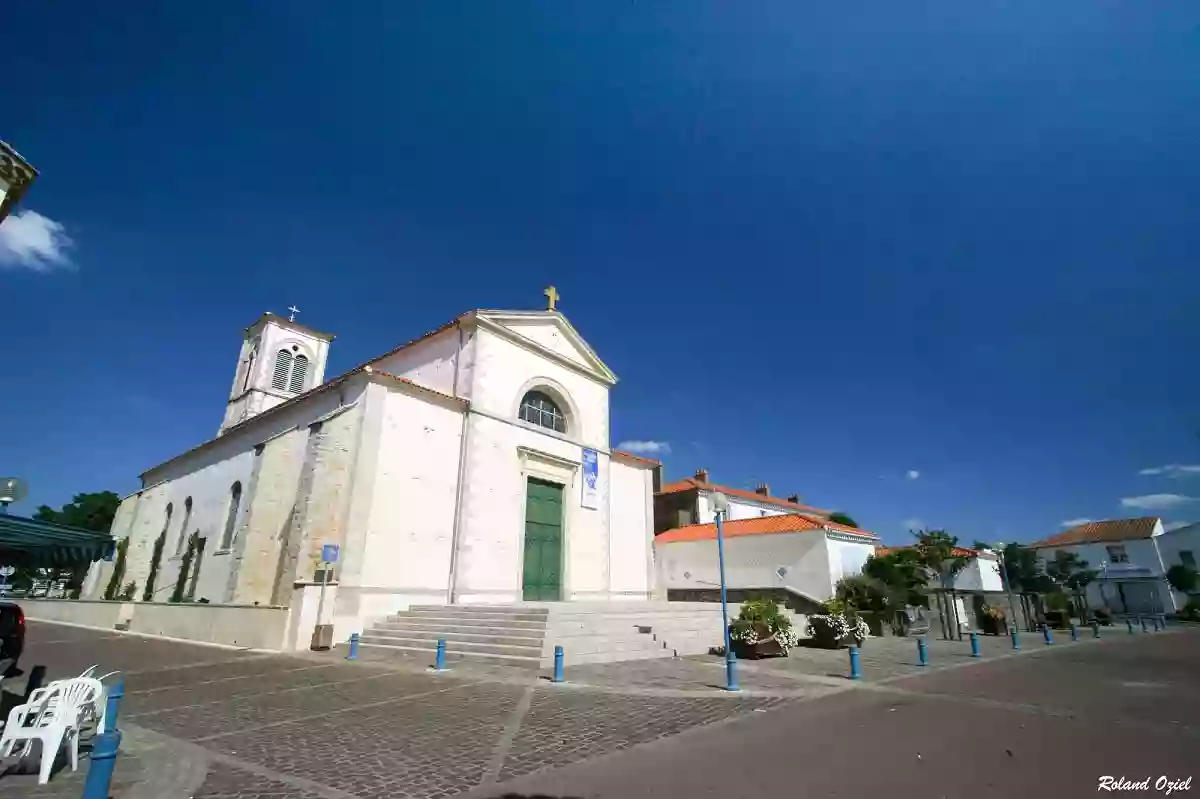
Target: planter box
763,649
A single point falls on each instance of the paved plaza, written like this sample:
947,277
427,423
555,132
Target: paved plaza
205,722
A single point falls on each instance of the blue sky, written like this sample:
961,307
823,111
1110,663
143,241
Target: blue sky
931,261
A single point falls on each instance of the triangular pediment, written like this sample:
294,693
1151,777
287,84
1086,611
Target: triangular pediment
550,333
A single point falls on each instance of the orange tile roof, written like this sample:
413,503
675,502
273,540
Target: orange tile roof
1095,532
620,453
762,525
689,483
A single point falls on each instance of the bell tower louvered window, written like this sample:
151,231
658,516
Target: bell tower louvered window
283,367
299,372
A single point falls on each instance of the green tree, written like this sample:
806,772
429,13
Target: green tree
935,549
1025,575
1071,573
1183,578
904,576
838,517
863,593
89,511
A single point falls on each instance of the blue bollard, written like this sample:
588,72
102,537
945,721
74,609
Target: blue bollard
105,748
922,652
1095,629
975,645
1016,638
855,672
439,663
1129,624
558,664
112,705
1074,632
1142,619
731,680
1049,636
353,654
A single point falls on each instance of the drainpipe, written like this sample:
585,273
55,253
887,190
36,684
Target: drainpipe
452,585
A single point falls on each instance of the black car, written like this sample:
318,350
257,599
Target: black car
12,631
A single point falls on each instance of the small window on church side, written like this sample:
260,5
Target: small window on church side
299,371
537,408
235,501
283,367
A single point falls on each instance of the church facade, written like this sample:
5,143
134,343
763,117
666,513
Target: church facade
470,465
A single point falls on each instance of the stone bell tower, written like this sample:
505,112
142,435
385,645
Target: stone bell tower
280,359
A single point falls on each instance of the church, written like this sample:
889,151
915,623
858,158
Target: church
470,465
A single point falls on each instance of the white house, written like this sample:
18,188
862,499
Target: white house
1132,556
469,465
689,501
980,575
793,552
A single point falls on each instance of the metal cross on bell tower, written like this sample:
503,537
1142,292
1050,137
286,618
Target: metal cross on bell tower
551,297
294,311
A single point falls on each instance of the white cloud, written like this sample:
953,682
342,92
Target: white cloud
645,447
913,524
1156,501
911,474
29,240
1174,470
1074,522
1169,526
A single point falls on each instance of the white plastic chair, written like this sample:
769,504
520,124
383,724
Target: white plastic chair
57,718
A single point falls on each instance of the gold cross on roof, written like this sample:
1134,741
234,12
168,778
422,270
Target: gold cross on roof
552,297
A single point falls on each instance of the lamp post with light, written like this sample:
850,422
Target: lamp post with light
15,177
720,505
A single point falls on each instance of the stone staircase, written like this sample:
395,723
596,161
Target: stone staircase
524,635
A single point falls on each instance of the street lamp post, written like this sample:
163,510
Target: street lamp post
15,177
720,504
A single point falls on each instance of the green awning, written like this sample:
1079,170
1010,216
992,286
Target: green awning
28,542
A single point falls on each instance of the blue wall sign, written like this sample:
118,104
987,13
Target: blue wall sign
329,553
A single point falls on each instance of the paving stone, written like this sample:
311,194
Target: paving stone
563,726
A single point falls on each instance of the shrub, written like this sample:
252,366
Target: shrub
761,619
993,612
129,590
1103,616
1183,578
829,629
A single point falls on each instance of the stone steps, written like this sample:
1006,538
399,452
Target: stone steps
467,648
430,653
502,636
526,634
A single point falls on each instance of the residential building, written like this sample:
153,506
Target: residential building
1132,557
790,554
688,501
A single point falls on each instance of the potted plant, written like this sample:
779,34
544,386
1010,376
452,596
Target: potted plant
993,621
838,626
761,630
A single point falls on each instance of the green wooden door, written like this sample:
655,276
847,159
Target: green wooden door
543,542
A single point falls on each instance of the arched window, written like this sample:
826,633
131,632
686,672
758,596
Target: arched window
537,408
187,517
283,367
235,502
299,371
